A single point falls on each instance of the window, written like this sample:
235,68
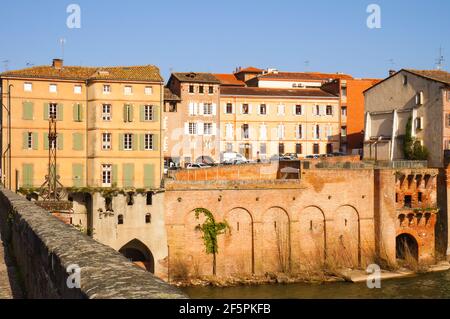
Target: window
263,148
120,219
280,131
245,109
106,89
128,90
245,131
53,88
207,128
52,110
106,175
229,147
173,107
128,142
317,132
30,140
316,148
27,87
263,109
419,197
447,122
106,112
130,199
148,218
201,89
300,131
408,201
344,91
281,148
106,141
191,89
229,108
192,128
77,89
317,109
344,131
148,90
419,98
281,109
149,199
148,142
207,109
298,109
329,110
148,113
211,89
405,80
344,111
298,148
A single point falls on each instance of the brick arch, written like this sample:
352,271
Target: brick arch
311,228
346,238
136,251
236,250
275,240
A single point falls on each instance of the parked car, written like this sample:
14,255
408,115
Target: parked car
312,156
289,157
233,158
197,166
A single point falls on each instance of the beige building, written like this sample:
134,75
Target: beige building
108,124
423,97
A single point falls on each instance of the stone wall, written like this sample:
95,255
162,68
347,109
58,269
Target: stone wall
44,247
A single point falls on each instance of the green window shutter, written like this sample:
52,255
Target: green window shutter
59,112
142,113
78,112
155,140
60,141
46,108
35,141
149,175
27,110
25,140
135,141
77,175
142,142
27,175
46,144
130,113
81,110
115,175
128,175
125,113
121,146
78,144
155,113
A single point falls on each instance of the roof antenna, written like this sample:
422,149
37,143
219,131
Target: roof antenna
6,65
440,60
392,63
306,65
62,41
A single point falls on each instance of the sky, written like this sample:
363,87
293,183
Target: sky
218,36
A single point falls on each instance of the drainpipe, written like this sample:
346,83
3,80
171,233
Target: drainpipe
161,156
87,135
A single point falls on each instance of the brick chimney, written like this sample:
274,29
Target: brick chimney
58,64
392,72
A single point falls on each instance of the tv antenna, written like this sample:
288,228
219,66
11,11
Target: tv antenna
440,60
391,63
62,42
307,65
6,65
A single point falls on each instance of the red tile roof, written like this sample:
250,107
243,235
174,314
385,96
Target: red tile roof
255,91
437,75
298,76
229,80
250,69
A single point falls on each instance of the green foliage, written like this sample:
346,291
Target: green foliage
210,229
412,148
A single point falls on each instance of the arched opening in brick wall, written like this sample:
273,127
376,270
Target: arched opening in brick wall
139,254
345,250
311,227
406,247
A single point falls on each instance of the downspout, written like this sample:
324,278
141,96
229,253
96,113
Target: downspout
87,134
394,132
161,157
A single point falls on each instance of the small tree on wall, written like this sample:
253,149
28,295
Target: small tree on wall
211,229
412,148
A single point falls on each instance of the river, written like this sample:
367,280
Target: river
432,285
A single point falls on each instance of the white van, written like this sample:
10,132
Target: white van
233,158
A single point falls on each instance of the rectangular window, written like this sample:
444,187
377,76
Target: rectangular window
245,109
263,148
77,89
207,128
211,90
52,110
191,89
344,131
263,109
280,131
329,110
30,140
28,87
148,113
344,91
148,90
298,110
148,142
229,108
173,107
201,89
207,109
344,111
53,88
192,128
298,148
245,131
316,148
106,89
106,141
317,110
317,132
106,175
128,90
281,148
128,142
300,131
106,112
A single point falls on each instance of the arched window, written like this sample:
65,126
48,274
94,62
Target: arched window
120,219
148,218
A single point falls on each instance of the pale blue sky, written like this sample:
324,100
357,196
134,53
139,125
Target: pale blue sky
217,36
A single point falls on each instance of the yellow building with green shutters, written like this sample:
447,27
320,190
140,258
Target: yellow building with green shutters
108,124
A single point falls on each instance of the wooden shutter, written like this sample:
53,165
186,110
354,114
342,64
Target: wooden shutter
155,113
25,140
27,110
78,144
125,113
142,142
155,141
115,175
134,142
77,112
149,175
27,175
46,108
46,144
128,175
60,141
35,141
59,112
77,175
130,113
121,142
142,113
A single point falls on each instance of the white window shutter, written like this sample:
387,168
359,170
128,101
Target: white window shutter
267,109
214,109
224,106
297,131
199,128
214,128
250,109
294,109
191,108
186,128
233,108
258,109
200,109
241,109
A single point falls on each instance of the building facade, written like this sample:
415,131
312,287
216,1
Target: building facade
108,126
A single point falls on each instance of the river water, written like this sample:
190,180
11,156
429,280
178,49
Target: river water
432,285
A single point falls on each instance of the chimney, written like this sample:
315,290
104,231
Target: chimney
58,64
392,72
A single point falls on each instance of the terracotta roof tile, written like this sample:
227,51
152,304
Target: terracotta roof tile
298,76
254,91
229,80
437,75
250,69
170,96
195,77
